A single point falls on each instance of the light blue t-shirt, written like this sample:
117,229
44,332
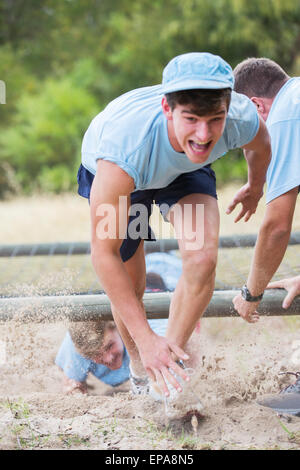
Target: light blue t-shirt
283,124
132,132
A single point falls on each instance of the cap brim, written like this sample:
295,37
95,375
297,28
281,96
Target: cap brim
194,85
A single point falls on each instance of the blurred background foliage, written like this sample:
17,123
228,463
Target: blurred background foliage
63,60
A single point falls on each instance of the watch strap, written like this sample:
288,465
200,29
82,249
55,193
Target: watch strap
246,294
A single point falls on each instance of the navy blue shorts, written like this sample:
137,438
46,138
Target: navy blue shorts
200,181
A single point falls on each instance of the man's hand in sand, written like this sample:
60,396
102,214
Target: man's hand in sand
157,358
292,285
71,386
247,310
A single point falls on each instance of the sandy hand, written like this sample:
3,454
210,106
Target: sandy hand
71,386
156,355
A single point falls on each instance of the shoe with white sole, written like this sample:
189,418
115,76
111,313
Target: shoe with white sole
139,385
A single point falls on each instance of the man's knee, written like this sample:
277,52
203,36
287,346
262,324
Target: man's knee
200,266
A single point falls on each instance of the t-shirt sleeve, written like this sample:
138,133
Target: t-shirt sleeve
109,148
284,170
106,147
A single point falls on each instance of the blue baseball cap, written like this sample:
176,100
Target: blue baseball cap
196,70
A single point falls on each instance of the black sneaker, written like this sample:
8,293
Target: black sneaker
288,399
293,388
283,403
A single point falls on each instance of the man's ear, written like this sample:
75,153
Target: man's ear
263,105
259,103
166,109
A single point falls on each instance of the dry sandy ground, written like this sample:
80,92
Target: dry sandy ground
238,363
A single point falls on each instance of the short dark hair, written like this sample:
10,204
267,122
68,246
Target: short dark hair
202,102
260,77
88,336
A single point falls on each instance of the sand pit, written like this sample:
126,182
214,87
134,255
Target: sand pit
238,363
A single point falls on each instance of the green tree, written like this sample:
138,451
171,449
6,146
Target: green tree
45,136
63,60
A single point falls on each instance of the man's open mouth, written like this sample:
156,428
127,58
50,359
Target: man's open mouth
199,147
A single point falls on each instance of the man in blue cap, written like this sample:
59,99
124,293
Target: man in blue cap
157,144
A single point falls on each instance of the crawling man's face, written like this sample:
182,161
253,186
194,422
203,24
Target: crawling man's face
111,352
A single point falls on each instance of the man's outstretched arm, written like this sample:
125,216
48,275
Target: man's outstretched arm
109,215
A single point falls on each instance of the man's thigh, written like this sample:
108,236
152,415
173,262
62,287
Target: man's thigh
196,222
190,204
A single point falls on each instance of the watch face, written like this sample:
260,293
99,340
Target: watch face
247,296
245,292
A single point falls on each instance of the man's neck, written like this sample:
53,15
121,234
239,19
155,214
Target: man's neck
269,101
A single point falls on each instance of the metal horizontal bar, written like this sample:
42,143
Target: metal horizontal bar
79,248
44,249
92,307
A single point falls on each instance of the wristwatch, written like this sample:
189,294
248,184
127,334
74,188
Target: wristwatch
248,297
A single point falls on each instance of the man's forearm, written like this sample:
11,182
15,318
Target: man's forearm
120,290
258,163
269,252
258,156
